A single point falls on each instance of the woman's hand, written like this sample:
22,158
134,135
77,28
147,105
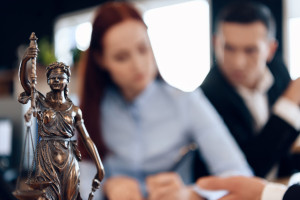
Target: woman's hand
122,188
169,186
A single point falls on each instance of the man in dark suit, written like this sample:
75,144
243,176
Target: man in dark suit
256,97
250,188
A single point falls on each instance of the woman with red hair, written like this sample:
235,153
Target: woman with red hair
138,122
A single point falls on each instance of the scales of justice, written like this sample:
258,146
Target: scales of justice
54,171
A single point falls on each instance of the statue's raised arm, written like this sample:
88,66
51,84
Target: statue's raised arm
30,53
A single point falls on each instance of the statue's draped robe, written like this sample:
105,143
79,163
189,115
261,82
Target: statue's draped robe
56,154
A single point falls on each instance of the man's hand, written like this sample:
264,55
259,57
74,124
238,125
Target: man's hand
238,187
293,91
169,186
122,188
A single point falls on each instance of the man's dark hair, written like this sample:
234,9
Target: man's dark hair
247,12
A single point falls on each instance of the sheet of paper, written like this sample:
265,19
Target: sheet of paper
210,194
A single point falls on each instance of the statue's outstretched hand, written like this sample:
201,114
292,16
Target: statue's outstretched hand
96,183
99,176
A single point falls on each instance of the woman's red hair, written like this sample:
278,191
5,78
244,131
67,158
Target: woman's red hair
94,78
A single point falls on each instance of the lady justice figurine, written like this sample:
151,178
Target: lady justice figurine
56,155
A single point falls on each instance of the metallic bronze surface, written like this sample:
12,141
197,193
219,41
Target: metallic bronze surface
28,194
56,172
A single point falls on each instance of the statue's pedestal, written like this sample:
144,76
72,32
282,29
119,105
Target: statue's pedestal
28,194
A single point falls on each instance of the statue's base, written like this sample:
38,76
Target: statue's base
28,194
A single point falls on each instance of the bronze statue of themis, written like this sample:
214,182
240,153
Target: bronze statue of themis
56,156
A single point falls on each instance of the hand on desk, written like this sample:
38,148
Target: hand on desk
169,186
239,187
163,186
122,187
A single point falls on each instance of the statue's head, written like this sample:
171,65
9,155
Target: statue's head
58,76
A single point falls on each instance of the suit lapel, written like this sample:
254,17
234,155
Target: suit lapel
234,101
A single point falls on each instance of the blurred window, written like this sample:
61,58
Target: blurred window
72,33
6,137
292,40
180,37
294,46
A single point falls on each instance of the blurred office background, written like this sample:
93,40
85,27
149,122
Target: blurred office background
180,32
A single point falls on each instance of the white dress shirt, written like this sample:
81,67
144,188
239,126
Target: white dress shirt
273,191
256,101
